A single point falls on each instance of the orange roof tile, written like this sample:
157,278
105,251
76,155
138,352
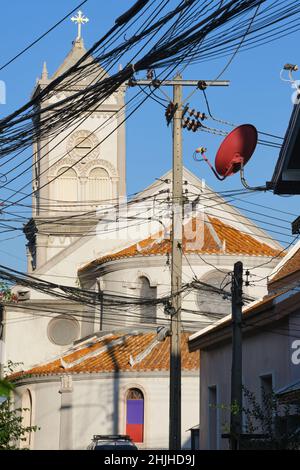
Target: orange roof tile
113,353
231,241
291,266
241,243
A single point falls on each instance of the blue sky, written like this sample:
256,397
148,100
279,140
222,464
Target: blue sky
256,95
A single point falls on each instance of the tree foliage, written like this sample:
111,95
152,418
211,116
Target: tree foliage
277,421
12,429
268,423
6,294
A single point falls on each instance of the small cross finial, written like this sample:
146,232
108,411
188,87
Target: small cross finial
80,19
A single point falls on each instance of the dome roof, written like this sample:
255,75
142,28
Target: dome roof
216,237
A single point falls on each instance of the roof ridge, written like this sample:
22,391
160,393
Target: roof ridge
97,352
215,235
140,357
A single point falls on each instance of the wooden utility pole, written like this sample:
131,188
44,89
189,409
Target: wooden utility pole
236,369
176,268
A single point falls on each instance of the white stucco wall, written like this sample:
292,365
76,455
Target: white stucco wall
99,407
26,339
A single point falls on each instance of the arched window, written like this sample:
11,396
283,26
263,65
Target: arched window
135,414
99,185
26,418
67,185
211,302
147,312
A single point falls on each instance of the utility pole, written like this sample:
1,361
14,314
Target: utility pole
176,274
236,369
176,265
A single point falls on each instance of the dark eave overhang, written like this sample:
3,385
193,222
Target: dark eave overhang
254,320
286,177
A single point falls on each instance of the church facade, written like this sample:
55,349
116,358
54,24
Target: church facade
83,367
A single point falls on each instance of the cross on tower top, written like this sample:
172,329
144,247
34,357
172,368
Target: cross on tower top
80,19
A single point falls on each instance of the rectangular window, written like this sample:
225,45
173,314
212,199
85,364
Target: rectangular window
266,386
212,418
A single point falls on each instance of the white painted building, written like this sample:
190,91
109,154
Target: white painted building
83,234
270,351
86,391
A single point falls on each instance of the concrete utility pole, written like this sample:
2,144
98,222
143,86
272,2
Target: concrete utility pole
236,370
176,274
176,265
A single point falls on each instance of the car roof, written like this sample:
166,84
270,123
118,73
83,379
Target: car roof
111,437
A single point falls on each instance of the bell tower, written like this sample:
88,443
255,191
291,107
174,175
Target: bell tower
78,169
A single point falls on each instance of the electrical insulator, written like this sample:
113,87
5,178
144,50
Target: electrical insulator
195,126
191,124
202,85
170,111
247,283
197,114
201,116
185,122
132,82
156,83
150,74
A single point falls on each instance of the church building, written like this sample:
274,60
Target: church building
104,369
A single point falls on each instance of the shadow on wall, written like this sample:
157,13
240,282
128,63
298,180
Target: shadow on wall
106,416
66,440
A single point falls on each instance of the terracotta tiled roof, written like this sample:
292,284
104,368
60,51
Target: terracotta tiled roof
217,237
291,266
114,352
237,242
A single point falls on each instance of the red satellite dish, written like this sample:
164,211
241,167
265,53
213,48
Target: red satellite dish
236,150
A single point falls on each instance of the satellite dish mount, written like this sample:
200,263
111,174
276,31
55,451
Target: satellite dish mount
233,154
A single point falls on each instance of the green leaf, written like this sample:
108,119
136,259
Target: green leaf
5,388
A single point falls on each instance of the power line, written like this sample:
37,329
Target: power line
222,121
277,269
162,55
19,54
91,149
240,44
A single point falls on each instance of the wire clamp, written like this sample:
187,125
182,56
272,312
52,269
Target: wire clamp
156,83
202,85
